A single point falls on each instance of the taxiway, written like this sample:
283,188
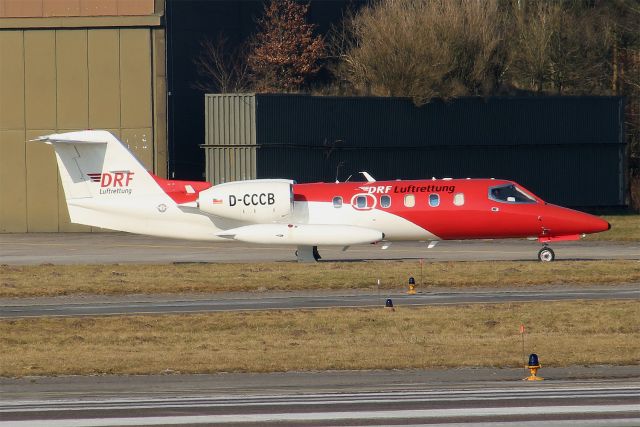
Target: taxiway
167,304
111,248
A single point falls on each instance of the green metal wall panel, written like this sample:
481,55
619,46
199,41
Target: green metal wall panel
230,136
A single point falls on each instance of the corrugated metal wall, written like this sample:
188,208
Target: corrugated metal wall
230,135
568,150
58,80
383,122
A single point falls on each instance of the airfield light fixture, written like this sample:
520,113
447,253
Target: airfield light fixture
533,366
412,286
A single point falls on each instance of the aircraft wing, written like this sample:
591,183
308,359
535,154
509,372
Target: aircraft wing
303,234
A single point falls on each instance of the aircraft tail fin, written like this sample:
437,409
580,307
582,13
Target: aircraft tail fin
99,174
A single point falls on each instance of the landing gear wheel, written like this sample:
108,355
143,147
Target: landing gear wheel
307,254
546,255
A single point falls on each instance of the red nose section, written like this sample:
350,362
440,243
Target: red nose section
560,221
596,225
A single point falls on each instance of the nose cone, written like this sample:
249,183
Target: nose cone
597,225
590,223
567,221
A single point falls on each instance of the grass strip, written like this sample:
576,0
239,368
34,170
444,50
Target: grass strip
562,333
57,280
624,228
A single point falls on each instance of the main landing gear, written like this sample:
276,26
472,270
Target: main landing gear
546,254
308,254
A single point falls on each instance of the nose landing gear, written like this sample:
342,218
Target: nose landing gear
546,254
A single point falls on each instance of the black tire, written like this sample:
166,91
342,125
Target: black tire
546,255
316,254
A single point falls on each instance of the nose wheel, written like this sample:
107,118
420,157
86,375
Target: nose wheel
546,254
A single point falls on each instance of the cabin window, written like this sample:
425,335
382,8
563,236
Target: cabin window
361,202
409,200
509,194
434,200
337,202
458,199
385,201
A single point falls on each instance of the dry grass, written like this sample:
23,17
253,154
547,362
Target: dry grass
55,280
562,333
624,228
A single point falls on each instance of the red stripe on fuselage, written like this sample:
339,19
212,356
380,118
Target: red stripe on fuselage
177,190
479,217
474,219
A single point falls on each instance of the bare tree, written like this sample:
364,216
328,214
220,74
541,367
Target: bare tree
422,49
284,53
383,52
221,70
625,16
631,88
560,48
474,32
532,47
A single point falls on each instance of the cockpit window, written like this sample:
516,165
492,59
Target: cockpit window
509,194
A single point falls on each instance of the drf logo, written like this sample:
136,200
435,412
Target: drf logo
112,179
382,189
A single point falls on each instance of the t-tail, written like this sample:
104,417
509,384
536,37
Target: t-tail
106,186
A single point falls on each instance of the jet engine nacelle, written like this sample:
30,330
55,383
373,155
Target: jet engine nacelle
258,201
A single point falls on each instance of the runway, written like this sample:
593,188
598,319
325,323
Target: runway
110,248
355,398
103,306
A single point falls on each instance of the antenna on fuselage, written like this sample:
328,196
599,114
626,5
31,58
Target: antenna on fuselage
340,164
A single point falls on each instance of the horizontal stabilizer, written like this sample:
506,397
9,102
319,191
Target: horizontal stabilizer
80,137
